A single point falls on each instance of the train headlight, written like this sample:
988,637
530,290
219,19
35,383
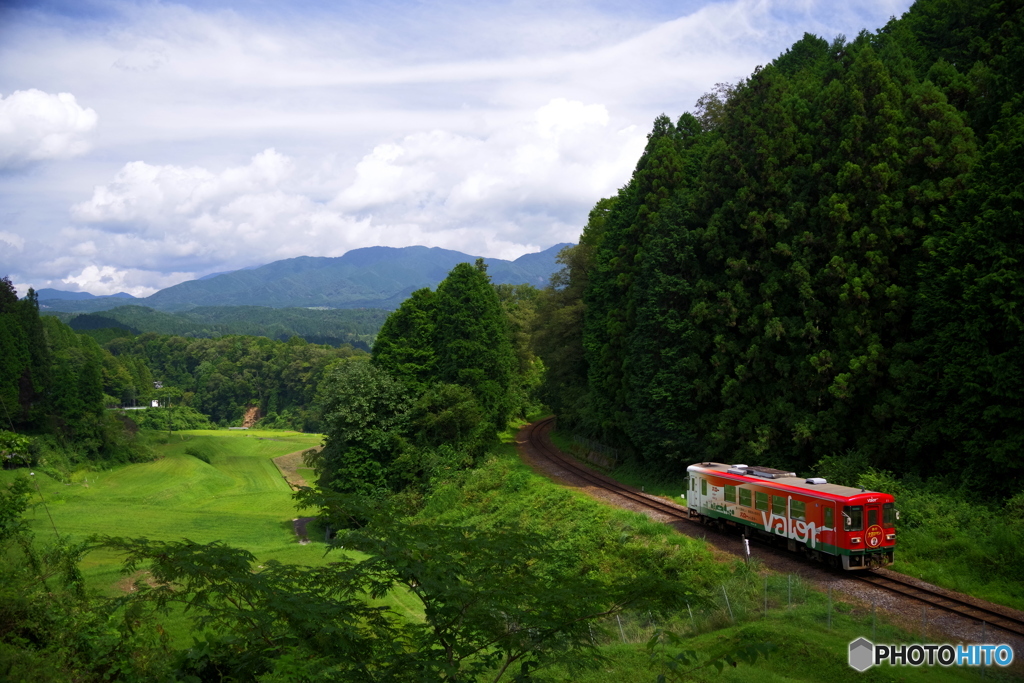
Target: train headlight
854,540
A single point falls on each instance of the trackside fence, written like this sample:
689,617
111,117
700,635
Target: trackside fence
753,597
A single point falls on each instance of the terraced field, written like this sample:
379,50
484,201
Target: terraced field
239,497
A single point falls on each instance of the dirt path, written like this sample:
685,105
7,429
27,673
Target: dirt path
289,466
300,524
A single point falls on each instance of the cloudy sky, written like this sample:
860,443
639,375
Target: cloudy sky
147,143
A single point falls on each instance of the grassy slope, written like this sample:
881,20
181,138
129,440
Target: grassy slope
239,498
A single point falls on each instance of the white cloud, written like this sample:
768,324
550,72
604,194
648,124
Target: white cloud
515,189
528,181
105,280
35,126
12,240
144,194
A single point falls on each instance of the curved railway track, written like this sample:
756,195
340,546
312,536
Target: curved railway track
540,429
537,436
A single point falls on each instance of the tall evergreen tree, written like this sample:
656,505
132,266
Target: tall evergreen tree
472,340
968,399
365,414
405,345
663,360
610,308
558,333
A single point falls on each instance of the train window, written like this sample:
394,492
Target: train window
853,516
745,497
760,500
830,518
888,515
779,506
797,510
730,493
872,516
703,487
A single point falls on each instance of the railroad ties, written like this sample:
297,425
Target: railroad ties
943,602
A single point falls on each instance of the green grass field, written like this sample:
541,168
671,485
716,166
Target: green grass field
239,498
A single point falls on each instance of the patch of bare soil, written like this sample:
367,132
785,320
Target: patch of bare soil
300,524
289,466
127,583
251,417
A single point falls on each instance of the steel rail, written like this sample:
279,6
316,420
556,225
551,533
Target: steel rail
540,428
944,602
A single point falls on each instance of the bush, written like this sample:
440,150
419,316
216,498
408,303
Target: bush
955,540
198,452
181,417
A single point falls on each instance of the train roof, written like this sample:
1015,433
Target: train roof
767,475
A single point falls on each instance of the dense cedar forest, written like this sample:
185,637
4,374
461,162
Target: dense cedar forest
824,260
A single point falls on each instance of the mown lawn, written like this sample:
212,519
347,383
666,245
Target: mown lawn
239,497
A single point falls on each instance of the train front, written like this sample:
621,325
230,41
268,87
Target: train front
867,536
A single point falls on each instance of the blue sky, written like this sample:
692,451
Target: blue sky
147,143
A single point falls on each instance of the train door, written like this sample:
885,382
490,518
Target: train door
873,534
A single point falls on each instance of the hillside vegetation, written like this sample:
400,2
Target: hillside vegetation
333,327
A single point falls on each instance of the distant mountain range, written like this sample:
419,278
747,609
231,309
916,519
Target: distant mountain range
49,294
372,277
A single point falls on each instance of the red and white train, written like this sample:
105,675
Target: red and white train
843,526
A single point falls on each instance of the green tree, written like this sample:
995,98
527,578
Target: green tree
405,346
710,107
472,341
664,362
558,330
51,630
968,402
365,416
15,449
498,602
519,303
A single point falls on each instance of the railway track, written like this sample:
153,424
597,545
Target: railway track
943,602
540,429
537,436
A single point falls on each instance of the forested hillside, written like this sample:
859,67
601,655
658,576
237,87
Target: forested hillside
370,277
335,327
53,383
226,377
57,385
823,261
